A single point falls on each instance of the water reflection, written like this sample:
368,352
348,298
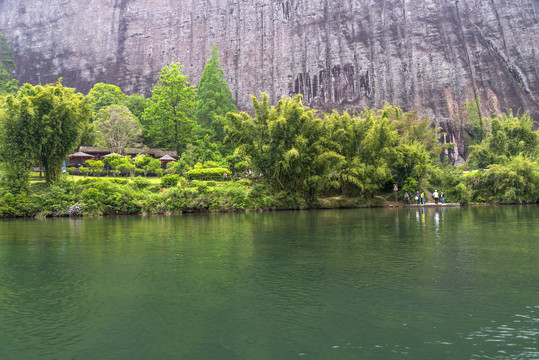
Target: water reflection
343,284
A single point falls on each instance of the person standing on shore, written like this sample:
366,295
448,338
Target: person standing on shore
435,194
442,197
417,197
422,197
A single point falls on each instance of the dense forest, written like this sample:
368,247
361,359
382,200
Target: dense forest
276,156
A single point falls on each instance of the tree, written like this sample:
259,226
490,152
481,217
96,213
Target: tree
509,136
42,124
102,95
284,143
118,128
8,85
169,119
137,104
215,99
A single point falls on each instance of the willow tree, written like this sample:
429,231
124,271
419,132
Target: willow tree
42,125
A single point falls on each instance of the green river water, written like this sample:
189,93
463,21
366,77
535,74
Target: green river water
454,283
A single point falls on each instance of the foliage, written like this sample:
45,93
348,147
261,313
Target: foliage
477,123
239,161
169,180
205,149
416,131
215,99
283,144
444,178
118,128
207,173
96,166
153,166
137,104
509,136
41,124
102,95
409,162
168,120
124,165
8,85
515,181
89,135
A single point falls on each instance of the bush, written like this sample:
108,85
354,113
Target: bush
206,174
140,182
169,180
515,181
464,193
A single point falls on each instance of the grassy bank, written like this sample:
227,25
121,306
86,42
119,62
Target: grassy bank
91,196
106,196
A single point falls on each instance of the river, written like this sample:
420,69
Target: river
455,283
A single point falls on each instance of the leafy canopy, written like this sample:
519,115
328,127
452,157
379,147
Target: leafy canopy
102,95
215,99
41,124
118,128
509,136
169,119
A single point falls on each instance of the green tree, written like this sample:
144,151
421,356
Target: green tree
118,128
96,166
509,136
365,140
169,119
284,144
102,95
42,124
215,99
137,104
8,85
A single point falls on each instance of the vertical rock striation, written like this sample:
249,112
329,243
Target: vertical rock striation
429,55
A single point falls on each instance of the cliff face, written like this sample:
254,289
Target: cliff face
429,55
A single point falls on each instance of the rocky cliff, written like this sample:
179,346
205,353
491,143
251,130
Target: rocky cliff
429,55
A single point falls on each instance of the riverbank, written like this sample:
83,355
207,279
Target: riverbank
138,195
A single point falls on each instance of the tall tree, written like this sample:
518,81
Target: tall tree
215,99
8,85
169,120
118,128
41,124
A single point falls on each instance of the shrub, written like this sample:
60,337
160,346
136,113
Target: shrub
206,174
140,182
464,193
169,180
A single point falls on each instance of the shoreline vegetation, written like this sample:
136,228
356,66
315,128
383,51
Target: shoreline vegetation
76,196
283,156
